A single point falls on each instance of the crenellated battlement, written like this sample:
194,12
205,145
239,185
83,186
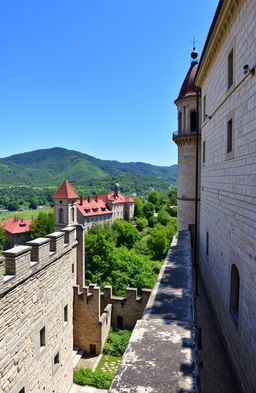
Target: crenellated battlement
125,310
21,262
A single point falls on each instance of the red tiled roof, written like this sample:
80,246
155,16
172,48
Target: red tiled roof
188,84
16,225
99,204
114,199
65,191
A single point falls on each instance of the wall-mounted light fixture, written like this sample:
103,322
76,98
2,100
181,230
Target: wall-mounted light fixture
207,117
247,69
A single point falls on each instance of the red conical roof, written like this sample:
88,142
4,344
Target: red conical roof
188,84
65,191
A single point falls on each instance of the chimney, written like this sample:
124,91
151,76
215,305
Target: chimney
96,198
89,199
81,199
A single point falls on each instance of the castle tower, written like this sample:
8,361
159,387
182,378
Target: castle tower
188,139
65,209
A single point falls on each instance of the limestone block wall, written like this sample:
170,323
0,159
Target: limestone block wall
228,189
36,315
91,326
126,309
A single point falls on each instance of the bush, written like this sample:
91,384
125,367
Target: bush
85,376
173,211
117,342
163,217
152,221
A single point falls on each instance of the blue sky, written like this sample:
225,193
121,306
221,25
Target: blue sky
97,76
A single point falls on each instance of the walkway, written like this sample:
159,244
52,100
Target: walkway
161,356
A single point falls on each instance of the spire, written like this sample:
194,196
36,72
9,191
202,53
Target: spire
65,191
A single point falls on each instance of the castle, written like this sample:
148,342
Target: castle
216,141
46,309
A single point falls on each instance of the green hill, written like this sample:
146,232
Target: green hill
52,166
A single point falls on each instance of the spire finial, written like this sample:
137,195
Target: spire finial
194,53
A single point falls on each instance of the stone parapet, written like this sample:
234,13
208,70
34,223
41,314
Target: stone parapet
21,262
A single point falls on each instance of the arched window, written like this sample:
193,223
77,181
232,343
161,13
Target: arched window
119,322
193,120
179,122
72,214
234,292
184,118
61,218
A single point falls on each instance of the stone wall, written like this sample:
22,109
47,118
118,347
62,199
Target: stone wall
125,310
228,189
36,296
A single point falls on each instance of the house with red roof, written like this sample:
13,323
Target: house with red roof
16,230
71,209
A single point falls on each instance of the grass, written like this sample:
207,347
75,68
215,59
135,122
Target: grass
109,364
24,214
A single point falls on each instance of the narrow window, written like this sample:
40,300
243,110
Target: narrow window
184,120
42,338
22,390
66,313
61,215
73,268
56,358
234,293
193,121
179,122
207,243
203,151
229,136
230,69
73,214
204,104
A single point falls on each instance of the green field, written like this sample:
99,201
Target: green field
24,214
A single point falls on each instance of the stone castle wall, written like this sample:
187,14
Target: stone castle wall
34,292
228,189
125,310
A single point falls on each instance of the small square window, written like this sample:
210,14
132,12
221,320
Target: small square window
229,136
66,313
42,338
56,359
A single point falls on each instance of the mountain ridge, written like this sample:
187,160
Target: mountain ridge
51,166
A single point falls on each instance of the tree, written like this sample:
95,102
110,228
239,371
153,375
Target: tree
141,223
148,209
42,225
152,221
163,217
156,198
126,234
138,207
3,239
158,242
172,197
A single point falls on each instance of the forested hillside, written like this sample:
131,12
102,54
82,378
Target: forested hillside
51,166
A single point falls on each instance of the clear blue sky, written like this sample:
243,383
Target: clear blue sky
97,76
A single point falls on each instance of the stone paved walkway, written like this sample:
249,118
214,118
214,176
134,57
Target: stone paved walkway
216,374
85,389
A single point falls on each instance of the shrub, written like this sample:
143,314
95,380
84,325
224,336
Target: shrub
117,342
141,223
85,376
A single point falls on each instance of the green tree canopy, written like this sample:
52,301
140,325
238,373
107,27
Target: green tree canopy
42,225
138,207
3,238
126,234
163,217
148,209
172,197
141,223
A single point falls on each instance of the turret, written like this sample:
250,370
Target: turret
65,209
188,139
